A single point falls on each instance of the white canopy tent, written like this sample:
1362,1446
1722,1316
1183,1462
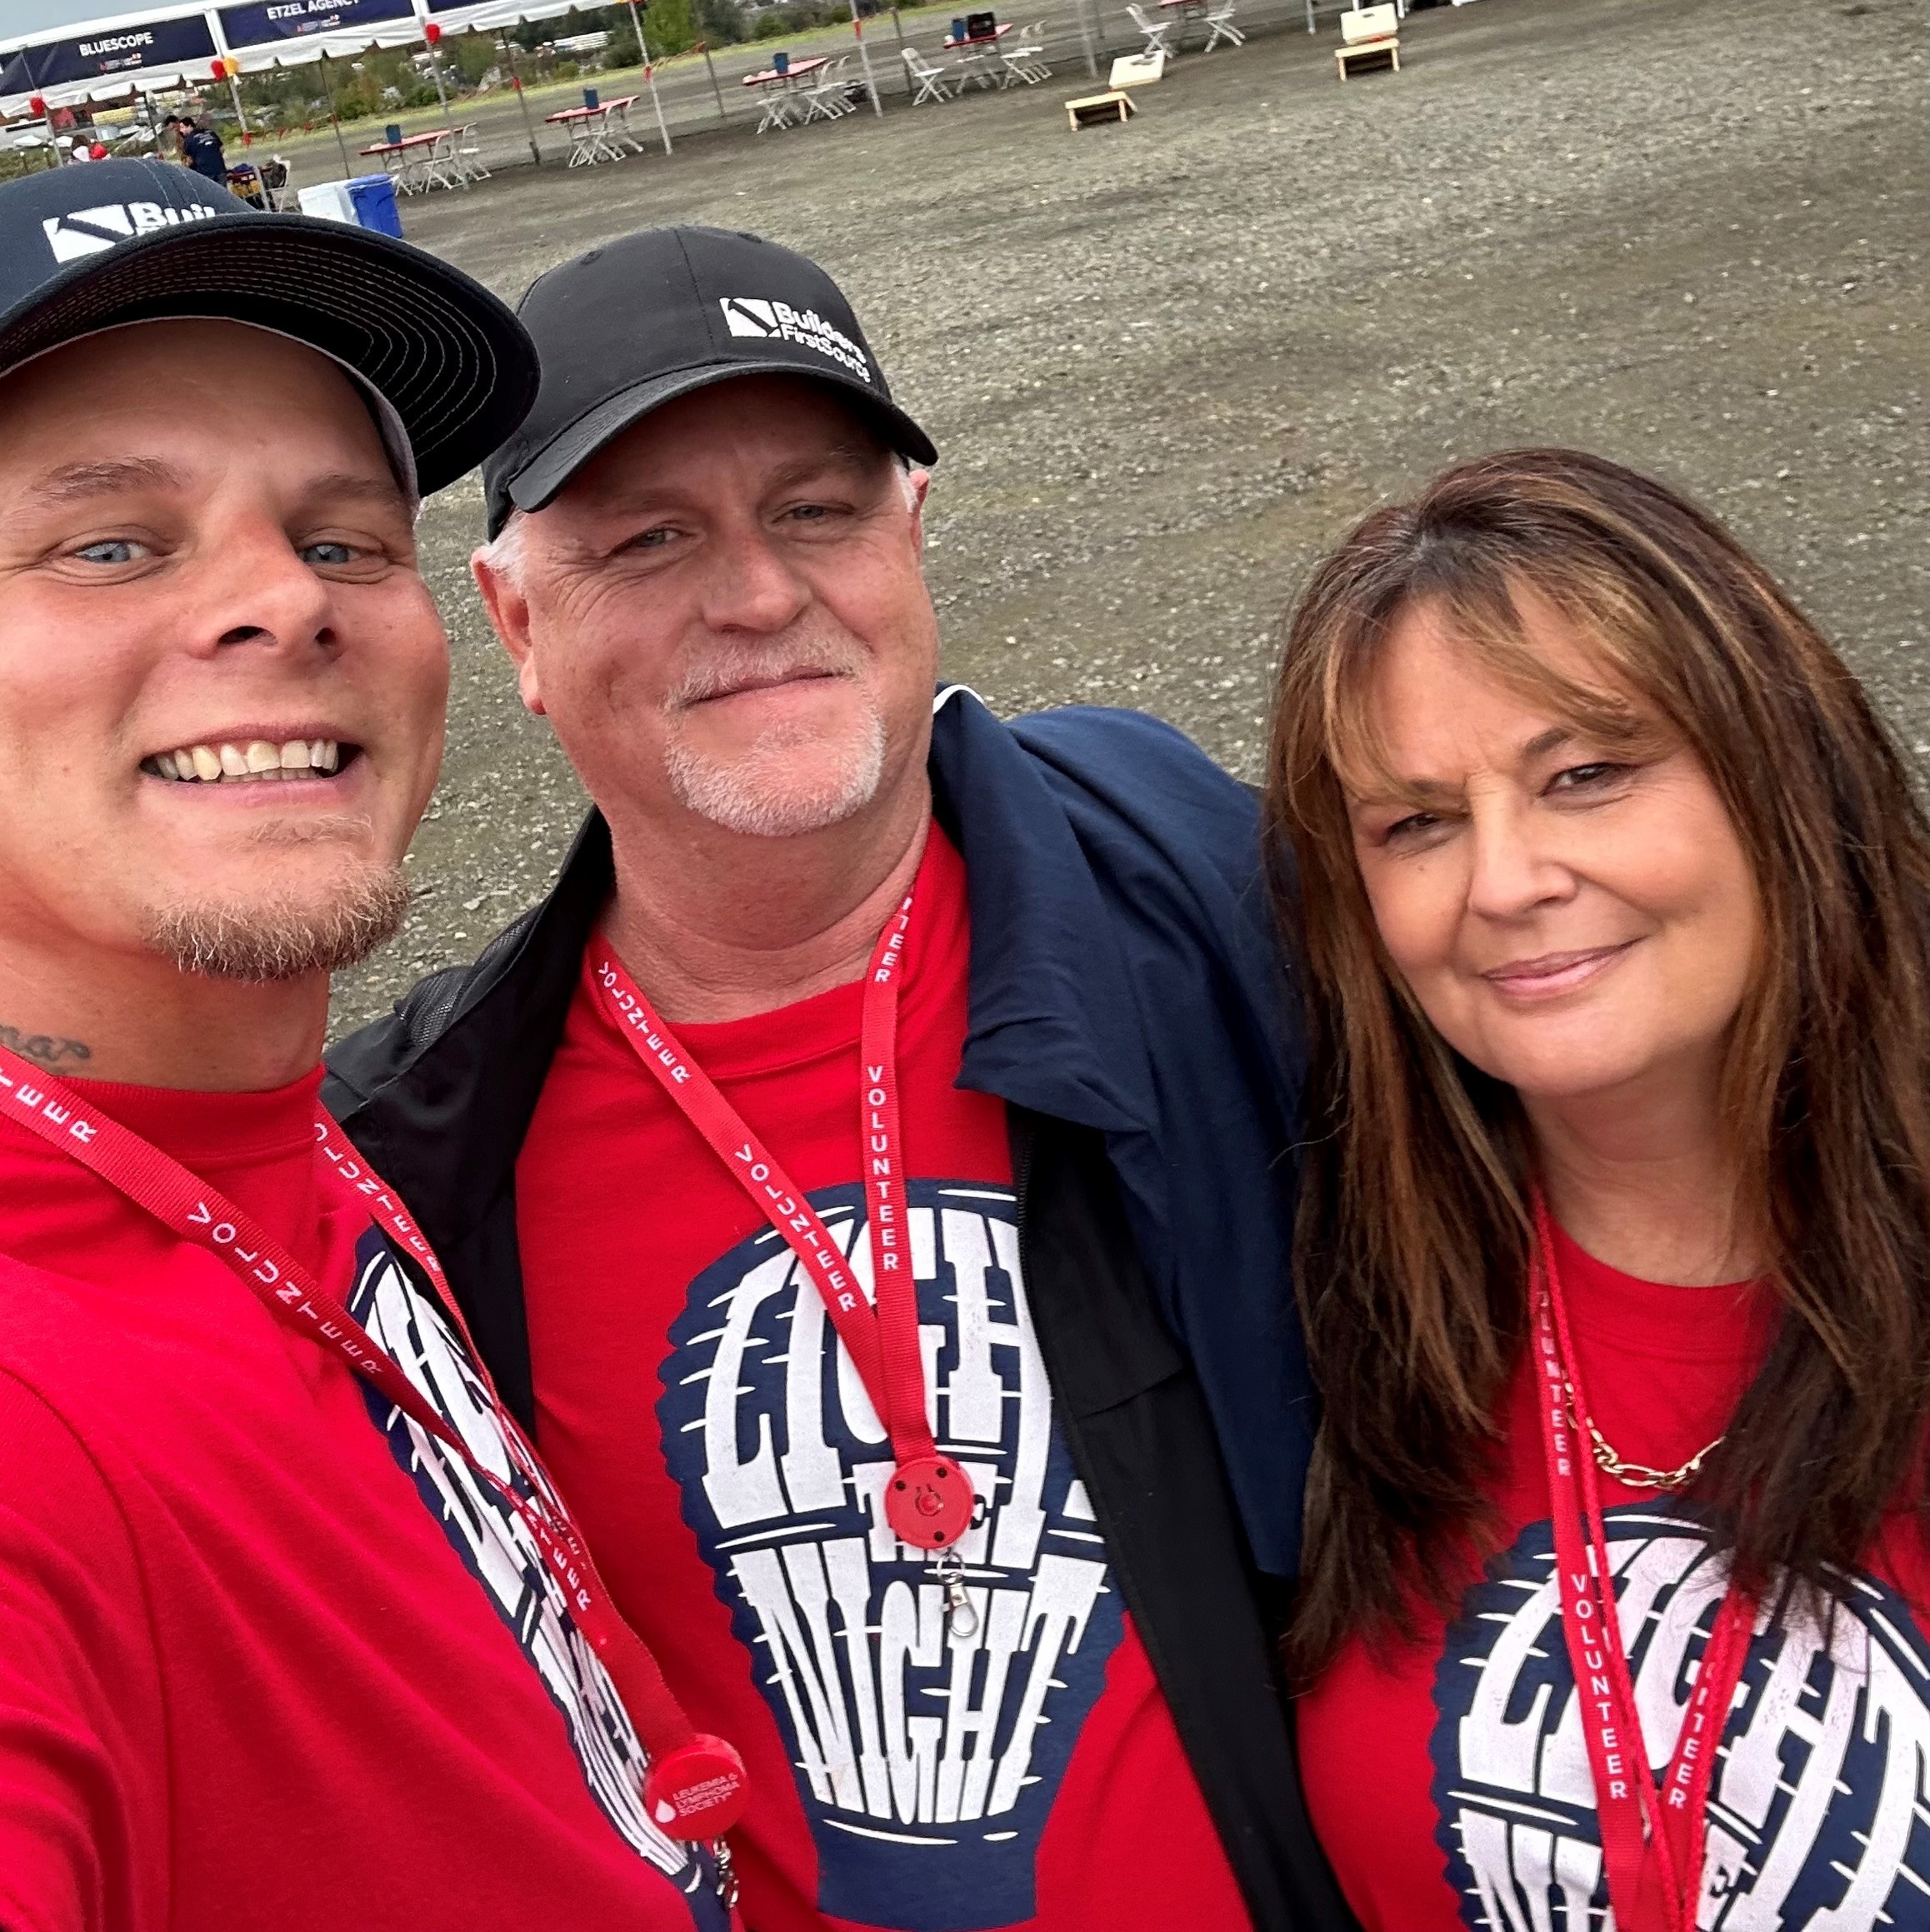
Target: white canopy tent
148,50
161,49
154,50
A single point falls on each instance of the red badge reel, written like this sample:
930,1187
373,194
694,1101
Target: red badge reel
697,1791
929,1502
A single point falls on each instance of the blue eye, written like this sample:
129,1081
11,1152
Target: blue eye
336,553
111,550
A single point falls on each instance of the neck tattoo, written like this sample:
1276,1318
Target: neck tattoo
46,1050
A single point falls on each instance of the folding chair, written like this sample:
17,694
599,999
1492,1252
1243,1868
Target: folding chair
469,154
930,80
824,99
275,189
1025,61
777,107
618,128
440,166
1155,30
1220,19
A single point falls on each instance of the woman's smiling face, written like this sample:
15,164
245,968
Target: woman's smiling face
1573,917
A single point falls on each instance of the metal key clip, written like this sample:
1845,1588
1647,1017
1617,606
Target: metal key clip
948,1572
727,1872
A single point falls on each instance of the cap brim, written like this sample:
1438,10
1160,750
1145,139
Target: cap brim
450,358
542,475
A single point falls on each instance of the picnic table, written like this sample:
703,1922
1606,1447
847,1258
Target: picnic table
420,161
779,84
598,133
978,56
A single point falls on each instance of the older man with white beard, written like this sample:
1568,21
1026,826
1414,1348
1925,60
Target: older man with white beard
868,1173
280,1648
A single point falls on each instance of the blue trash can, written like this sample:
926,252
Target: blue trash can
372,197
590,99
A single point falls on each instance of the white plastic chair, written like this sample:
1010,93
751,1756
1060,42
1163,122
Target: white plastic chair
930,80
442,166
1220,19
825,99
620,130
1155,30
1025,61
469,153
777,104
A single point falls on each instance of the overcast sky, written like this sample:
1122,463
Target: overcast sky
19,17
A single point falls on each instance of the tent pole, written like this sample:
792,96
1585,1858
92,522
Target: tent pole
436,68
335,119
240,113
649,75
516,83
864,60
705,46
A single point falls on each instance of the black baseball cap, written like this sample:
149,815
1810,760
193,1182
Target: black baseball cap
87,249
635,324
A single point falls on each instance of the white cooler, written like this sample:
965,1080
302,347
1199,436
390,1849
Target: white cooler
330,201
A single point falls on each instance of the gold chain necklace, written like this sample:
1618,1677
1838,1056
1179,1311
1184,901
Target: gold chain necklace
1635,1475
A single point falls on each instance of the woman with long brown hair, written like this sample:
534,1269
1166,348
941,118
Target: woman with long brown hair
1614,1249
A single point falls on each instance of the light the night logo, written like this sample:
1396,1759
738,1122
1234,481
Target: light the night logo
926,1759
501,1554
1819,1805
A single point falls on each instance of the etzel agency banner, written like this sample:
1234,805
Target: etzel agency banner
262,22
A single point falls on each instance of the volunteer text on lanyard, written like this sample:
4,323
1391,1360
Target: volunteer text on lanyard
695,1786
928,1502
1652,1839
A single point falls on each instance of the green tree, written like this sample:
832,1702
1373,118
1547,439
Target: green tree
471,56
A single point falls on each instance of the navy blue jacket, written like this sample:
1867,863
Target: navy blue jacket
1125,976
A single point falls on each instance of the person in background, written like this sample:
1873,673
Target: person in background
847,991
1614,1238
201,149
278,1651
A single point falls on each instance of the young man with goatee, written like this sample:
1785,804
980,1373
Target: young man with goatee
869,1172
293,1632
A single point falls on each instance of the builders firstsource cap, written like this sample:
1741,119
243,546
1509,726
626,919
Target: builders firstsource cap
83,249
630,326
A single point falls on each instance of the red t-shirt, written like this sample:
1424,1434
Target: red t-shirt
698,1411
269,1660
1449,1782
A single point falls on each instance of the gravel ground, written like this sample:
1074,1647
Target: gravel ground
1167,363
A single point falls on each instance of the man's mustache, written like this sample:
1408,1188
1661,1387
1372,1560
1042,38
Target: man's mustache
747,667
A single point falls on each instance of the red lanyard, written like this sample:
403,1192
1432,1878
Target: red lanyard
928,1502
695,1786
1652,1839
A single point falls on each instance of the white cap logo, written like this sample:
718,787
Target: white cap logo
749,315
95,231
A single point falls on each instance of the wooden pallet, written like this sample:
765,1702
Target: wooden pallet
1095,110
